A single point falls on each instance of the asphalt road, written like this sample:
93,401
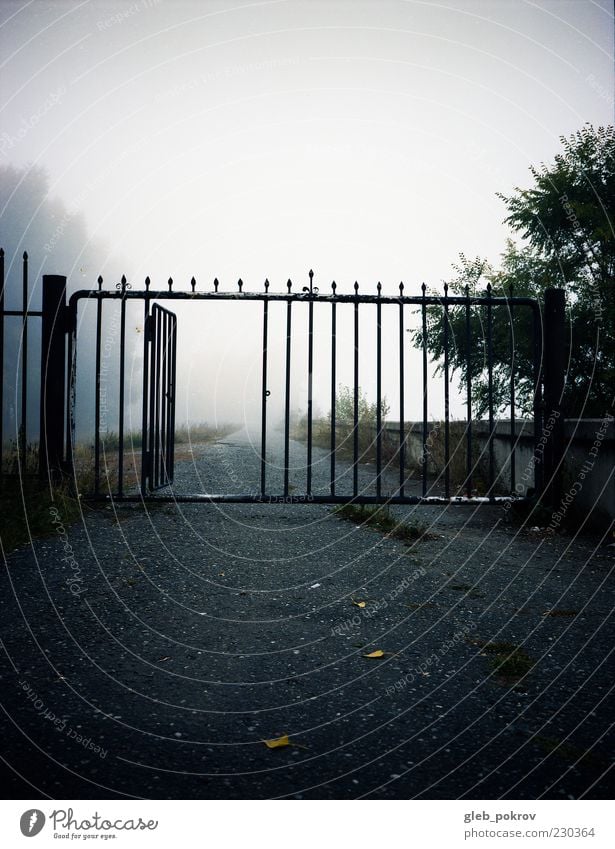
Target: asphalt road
148,653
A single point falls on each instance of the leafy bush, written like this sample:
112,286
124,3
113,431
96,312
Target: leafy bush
367,419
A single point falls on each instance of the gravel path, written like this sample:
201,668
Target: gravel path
148,653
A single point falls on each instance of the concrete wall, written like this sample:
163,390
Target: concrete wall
588,470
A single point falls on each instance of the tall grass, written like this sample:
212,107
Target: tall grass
26,500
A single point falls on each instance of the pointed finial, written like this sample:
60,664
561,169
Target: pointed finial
467,290
379,288
216,284
401,289
311,289
445,289
488,290
100,282
240,284
423,288
266,284
123,285
356,287
25,256
192,283
147,283
334,286
170,282
289,284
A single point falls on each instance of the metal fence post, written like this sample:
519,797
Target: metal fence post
53,370
1,364
554,378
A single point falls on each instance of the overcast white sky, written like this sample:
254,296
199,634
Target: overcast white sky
363,138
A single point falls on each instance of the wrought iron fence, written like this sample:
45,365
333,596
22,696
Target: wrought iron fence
59,387
333,302
18,445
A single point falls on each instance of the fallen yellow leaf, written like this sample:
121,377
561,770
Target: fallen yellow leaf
359,603
278,742
377,653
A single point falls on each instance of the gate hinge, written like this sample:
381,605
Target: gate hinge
146,466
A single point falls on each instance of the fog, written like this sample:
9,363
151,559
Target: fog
365,140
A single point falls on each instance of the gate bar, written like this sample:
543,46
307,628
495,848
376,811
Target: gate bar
264,398
355,433
151,449
156,403
1,362
71,375
22,438
164,389
174,382
164,295
554,382
159,338
310,386
379,395
402,425
120,451
538,417
172,378
469,461
97,391
166,397
289,306
424,454
333,434
490,379
51,439
447,433
513,435
251,498
145,455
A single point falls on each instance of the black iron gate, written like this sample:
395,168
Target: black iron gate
126,477
159,399
159,383
153,470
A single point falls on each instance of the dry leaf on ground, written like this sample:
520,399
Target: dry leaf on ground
277,742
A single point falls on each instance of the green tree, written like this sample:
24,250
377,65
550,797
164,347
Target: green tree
367,419
367,412
566,222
